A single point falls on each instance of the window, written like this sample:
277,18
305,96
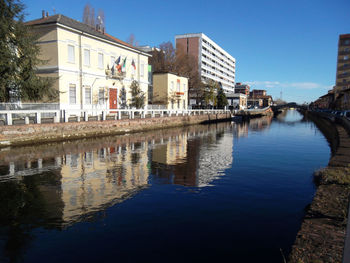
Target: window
346,57
101,96
72,94
178,104
100,60
87,57
71,54
184,88
347,42
178,85
112,61
172,86
184,104
142,69
87,95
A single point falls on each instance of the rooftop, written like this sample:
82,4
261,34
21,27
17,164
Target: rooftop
69,22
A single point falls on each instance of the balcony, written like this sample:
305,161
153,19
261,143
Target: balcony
341,83
347,66
342,60
178,93
344,52
115,74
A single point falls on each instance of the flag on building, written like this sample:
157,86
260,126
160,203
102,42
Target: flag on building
117,61
112,69
119,67
124,64
133,64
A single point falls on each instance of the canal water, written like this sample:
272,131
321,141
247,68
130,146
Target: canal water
227,192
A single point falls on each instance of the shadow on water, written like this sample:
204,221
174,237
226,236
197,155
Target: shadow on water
60,186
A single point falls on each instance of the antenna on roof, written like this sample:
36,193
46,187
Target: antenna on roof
54,10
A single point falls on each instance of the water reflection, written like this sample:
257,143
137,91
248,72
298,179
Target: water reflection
54,186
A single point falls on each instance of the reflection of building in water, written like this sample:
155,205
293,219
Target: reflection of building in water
214,158
261,123
207,154
77,185
171,151
256,124
94,180
241,129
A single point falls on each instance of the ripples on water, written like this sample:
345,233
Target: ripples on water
213,192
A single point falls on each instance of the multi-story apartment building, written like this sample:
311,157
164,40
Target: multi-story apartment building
214,63
242,88
93,70
343,63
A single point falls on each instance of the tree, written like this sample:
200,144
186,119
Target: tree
132,40
90,19
89,15
122,96
210,92
167,59
164,60
221,98
137,95
19,58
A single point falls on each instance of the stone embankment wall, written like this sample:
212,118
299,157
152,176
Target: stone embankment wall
51,132
323,231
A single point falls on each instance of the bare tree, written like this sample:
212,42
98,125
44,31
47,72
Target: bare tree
167,59
132,40
89,15
90,19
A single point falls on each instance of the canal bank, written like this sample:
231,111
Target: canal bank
322,236
55,132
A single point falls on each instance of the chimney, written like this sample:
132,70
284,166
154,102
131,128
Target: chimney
47,14
43,14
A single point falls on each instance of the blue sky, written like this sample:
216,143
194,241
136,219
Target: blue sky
281,46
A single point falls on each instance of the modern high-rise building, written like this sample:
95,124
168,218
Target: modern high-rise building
214,63
343,63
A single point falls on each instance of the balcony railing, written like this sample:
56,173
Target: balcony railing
341,83
344,52
342,67
115,74
342,60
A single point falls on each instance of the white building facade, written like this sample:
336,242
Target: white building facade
214,63
92,69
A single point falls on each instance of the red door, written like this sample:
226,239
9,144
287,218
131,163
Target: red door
113,99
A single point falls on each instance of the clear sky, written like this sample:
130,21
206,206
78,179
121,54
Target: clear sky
281,46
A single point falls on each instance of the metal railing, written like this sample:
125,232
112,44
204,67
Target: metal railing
13,117
29,106
156,107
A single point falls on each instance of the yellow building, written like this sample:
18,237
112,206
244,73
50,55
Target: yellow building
91,181
170,90
172,151
94,70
